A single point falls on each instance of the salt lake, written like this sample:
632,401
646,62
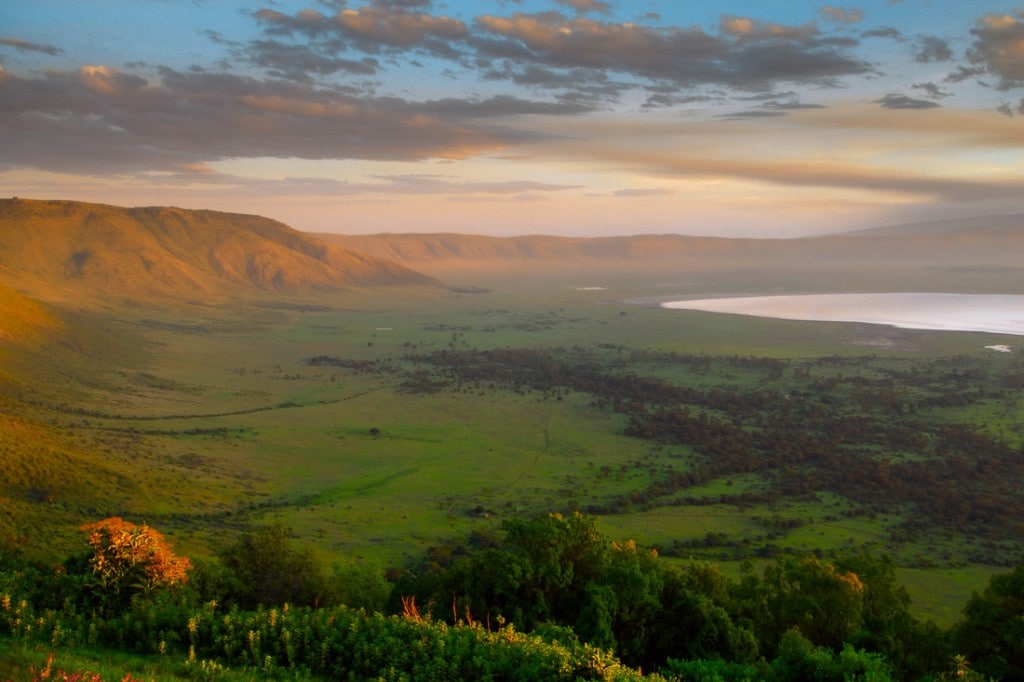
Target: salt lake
996,313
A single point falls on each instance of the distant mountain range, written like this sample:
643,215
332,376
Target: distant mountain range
989,223
66,250
992,241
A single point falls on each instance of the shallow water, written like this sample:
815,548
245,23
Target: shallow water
998,313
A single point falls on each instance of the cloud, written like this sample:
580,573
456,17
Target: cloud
101,120
1010,109
299,63
308,22
398,28
963,73
26,46
854,147
433,184
744,28
773,108
747,54
899,101
883,32
382,27
498,106
641,192
841,15
929,49
931,89
583,6
805,173
999,48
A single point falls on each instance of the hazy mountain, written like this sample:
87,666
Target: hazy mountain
975,247
57,249
994,223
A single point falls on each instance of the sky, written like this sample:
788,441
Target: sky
509,117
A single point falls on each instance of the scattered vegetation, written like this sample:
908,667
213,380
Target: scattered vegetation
546,598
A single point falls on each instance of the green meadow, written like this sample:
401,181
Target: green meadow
330,415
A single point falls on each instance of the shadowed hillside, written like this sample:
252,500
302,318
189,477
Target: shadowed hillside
53,248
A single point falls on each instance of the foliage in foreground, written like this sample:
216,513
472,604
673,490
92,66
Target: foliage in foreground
594,607
336,643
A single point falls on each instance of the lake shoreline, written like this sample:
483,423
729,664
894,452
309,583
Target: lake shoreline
1001,314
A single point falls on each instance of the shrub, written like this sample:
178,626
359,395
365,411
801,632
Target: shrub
127,559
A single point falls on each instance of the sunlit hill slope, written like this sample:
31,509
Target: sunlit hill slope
53,248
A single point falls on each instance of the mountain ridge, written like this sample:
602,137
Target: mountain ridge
973,247
54,249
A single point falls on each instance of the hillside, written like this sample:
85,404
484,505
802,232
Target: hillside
23,321
55,250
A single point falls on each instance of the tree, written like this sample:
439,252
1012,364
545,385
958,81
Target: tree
128,559
821,602
799,660
267,570
991,633
913,647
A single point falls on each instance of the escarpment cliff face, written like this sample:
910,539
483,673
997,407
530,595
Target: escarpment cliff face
57,249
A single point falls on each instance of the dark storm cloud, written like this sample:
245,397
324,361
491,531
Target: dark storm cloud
929,49
999,48
102,120
898,101
26,46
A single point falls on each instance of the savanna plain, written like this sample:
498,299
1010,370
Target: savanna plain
382,428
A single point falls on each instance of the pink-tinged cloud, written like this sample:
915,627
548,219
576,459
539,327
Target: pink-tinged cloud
842,15
399,29
999,47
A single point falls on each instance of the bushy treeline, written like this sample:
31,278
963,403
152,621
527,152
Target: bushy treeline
622,597
593,608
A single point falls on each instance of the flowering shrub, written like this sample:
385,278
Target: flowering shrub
128,558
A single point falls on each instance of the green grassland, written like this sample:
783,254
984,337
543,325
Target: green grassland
205,420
